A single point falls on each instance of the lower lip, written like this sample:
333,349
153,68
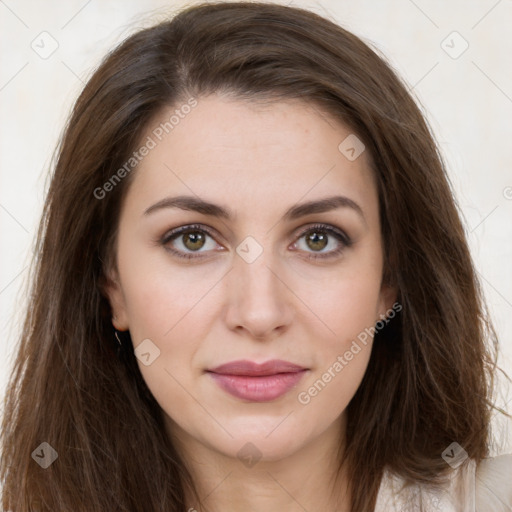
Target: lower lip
258,389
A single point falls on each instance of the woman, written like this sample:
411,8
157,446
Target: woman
253,289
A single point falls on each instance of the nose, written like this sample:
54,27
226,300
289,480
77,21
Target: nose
259,302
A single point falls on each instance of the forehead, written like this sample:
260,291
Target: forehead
252,155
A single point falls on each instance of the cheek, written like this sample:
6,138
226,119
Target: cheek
353,309
330,388
348,306
342,359
347,303
160,296
173,310
175,322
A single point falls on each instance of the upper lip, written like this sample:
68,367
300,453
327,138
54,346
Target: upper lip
250,368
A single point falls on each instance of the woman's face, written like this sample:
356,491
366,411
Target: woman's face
273,277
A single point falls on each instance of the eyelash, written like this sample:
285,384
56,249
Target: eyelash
344,240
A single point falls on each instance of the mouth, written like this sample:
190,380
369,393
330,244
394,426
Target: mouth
255,382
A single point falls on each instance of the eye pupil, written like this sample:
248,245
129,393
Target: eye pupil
194,237
315,238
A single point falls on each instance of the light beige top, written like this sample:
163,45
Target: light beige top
471,488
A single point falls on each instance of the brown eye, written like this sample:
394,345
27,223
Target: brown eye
187,240
317,240
320,236
193,240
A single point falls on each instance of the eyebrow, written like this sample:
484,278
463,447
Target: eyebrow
204,207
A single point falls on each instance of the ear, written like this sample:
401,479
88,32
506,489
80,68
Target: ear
112,290
388,296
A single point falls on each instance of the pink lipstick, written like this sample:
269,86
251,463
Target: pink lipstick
257,382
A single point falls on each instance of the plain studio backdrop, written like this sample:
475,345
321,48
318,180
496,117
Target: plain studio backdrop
455,57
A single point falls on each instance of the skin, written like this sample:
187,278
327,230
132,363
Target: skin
257,160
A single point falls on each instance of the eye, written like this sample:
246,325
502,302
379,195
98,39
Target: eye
190,238
194,238
320,236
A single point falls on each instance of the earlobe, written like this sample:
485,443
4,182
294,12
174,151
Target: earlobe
388,297
111,289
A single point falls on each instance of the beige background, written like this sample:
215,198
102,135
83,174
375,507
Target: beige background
467,98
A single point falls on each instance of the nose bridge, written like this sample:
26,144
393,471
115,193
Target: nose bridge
253,264
257,297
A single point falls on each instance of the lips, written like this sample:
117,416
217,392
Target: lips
257,382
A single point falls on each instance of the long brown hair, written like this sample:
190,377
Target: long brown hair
430,377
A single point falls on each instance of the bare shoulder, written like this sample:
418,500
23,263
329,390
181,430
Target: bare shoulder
494,484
